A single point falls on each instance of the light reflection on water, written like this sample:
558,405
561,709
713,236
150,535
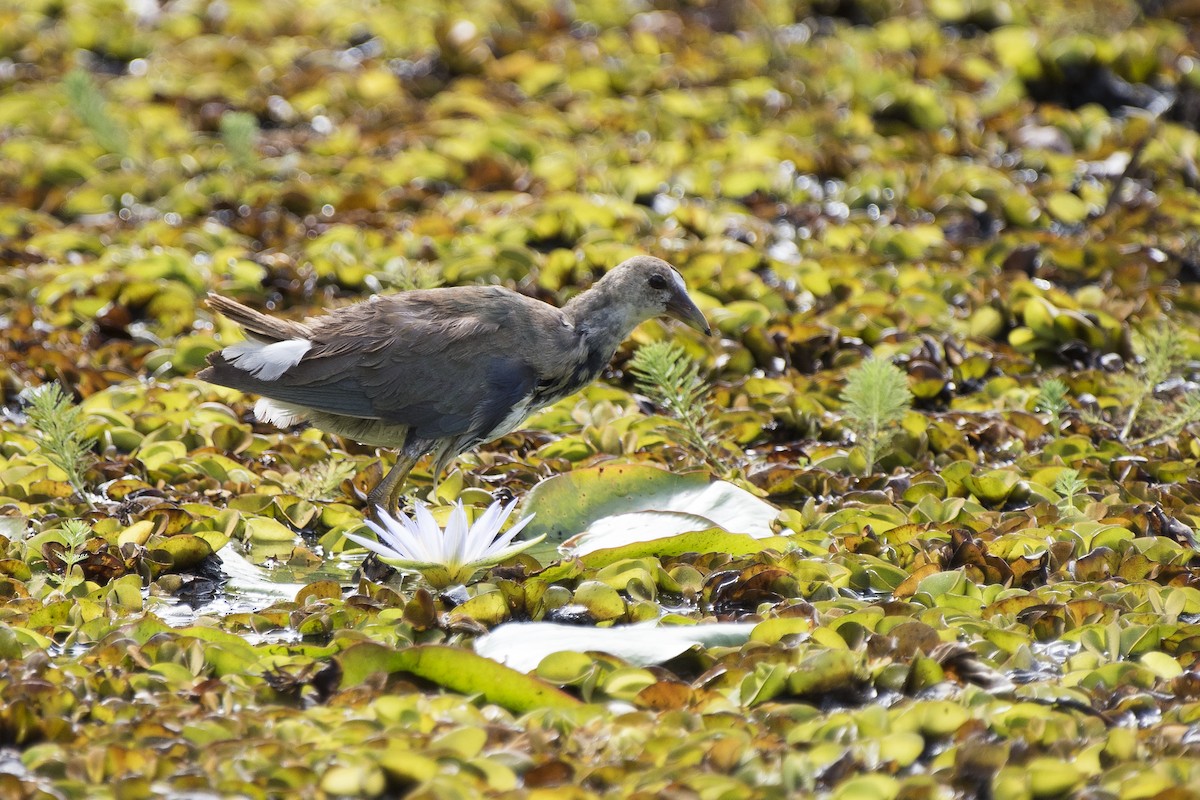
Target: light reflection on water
249,587
1056,652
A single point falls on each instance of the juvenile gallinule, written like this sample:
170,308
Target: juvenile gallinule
439,370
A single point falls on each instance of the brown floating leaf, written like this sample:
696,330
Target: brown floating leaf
664,696
319,590
548,774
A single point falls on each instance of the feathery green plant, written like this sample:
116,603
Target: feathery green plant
405,275
1183,415
239,134
876,398
88,105
75,533
663,372
1052,398
1162,353
1068,484
60,424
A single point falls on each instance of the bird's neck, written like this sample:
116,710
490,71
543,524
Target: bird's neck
602,323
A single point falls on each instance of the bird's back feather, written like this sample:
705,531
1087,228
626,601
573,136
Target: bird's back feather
445,363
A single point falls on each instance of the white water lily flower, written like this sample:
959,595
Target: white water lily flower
449,557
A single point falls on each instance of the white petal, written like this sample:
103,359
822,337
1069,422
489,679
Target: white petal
395,531
382,532
458,547
510,534
424,532
489,522
429,533
395,534
375,547
503,554
413,531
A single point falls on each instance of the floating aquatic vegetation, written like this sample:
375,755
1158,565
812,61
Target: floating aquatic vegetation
990,196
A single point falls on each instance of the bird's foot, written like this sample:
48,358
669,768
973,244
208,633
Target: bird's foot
373,569
388,493
376,500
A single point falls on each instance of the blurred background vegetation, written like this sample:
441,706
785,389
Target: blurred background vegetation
997,200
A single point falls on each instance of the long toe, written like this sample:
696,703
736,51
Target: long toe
378,498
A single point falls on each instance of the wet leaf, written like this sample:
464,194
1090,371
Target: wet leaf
523,645
571,504
455,670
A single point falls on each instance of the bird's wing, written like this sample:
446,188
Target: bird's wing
444,363
451,397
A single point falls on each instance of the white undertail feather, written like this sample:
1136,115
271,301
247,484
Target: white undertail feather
266,361
280,416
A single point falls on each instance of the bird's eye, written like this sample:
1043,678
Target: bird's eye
658,282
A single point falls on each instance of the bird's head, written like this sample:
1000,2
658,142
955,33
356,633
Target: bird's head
652,287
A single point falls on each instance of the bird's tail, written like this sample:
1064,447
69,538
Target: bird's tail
257,325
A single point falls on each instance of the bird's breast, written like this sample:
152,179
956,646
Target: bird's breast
512,421
572,375
560,378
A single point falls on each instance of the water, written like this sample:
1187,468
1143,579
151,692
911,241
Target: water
239,586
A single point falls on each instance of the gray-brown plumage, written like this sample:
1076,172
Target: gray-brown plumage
439,370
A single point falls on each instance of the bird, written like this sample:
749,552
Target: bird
439,371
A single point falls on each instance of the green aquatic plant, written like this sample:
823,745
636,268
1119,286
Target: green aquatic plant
75,534
1181,415
1069,485
320,481
1162,353
87,103
239,134
60,425
663,372
1052,399
875,399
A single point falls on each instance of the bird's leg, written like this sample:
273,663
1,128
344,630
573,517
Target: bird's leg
442,456
395,492
386,494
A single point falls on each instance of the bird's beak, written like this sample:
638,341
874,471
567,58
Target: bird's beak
683,309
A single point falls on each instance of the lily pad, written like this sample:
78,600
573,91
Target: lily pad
615,505
523,645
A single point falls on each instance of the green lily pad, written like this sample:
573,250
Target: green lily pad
614,505
523,645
